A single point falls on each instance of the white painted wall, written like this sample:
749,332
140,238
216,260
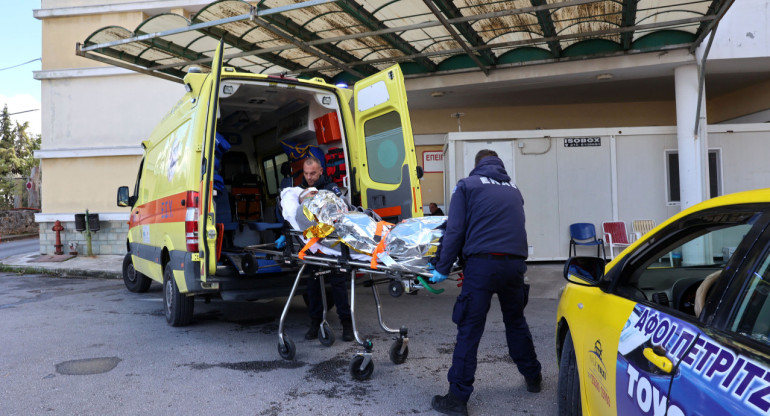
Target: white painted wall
564,185
118,110
743,32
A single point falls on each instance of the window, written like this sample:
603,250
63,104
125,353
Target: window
672,175
753,316
273,175
385,150
695,250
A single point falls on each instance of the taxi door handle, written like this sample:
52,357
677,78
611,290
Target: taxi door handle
660,361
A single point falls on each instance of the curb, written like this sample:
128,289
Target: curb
61,272
4,238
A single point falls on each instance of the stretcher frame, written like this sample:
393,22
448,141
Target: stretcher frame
399,281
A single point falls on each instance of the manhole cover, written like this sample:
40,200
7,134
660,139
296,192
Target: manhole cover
87,366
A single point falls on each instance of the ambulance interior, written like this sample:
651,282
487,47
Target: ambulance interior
260,121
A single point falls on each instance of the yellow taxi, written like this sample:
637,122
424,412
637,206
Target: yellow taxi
678,323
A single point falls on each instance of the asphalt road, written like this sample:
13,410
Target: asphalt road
14,247
90,347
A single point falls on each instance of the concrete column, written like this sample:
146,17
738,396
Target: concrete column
693,154
693,147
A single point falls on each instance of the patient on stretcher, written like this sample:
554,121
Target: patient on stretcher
324,216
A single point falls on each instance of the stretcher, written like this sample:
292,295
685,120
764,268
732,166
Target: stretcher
398,279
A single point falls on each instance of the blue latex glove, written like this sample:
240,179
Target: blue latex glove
431,267
280,242
438,277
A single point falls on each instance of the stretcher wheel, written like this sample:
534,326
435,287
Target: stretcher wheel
287,349
249,263
396,356
326,336
357,372
395,289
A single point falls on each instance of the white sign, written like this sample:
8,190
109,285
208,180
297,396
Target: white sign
433,161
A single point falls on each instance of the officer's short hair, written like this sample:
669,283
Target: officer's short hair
312,160
484,153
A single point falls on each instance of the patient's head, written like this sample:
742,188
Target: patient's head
308,193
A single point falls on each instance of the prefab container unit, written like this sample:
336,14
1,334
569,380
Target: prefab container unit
605,174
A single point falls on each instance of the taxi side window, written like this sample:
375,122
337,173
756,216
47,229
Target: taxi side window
752,318
680,274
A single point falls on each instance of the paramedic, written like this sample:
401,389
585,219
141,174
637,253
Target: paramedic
314,177
435,210
486,228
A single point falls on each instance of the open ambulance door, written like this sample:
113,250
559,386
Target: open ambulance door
207,231
385,162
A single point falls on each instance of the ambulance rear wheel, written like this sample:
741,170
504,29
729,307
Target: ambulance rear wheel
287,349
396,356
178,307
326,336
135,281
358,373
568,390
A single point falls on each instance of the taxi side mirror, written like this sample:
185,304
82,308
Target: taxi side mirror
584,271
123,198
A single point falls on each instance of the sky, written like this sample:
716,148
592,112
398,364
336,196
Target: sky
22,39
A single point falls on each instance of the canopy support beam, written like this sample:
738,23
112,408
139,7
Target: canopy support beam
455,36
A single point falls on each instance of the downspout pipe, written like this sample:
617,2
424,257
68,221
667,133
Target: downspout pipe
702,79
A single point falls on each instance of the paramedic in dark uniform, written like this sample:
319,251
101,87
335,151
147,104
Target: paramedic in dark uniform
486,228
314,177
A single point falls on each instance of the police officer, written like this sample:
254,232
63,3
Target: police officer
486,228
314,177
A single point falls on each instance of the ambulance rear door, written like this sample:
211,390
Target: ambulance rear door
385,163
207,232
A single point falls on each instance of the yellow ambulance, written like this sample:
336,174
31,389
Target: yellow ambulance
213,167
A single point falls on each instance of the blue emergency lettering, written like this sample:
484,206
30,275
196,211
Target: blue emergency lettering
757,398
671,333
709,350
642,319
681,343
690,357
752,371
721,364
661,331
737,367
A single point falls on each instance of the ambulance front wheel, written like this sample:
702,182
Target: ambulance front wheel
178,306
359,373
287,349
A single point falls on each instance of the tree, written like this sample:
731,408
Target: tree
17,159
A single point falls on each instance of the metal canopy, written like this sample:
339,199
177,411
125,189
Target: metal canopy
345,40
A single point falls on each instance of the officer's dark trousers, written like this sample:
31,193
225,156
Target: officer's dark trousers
339,283
484,277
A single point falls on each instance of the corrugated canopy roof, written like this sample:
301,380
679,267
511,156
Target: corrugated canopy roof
344,40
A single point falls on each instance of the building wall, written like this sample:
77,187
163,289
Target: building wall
437,120
74,184
623,179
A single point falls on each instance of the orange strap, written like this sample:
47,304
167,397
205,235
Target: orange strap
381,245
309,244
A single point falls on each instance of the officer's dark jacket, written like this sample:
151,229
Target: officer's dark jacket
323,183
486,216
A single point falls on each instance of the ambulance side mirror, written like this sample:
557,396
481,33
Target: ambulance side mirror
123,198
420,172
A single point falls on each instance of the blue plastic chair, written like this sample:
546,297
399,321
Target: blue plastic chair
584,234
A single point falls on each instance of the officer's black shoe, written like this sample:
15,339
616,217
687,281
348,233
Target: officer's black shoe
534,385
347,329
449,405
312,333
